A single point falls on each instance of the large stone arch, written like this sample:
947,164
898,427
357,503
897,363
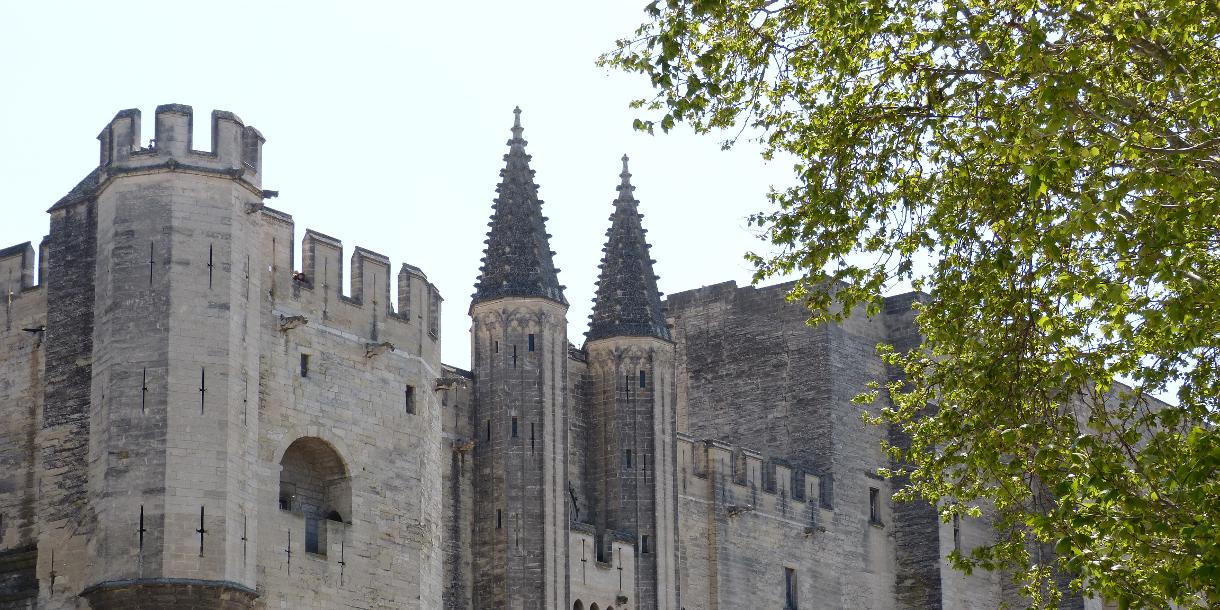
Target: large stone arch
315,483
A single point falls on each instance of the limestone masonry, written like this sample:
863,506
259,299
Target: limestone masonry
193,414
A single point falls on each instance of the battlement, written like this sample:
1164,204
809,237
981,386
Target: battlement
315,290
237,149
743,479
17,270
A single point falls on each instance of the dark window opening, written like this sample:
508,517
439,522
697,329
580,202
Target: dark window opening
627,381
312,542
514,427
957,534
489,430
531,342
644,462
334,516
627,458
531,437
789,589
826,491
644,544
409,397
643,379
304,365
874,505
514,355
499,519
497,347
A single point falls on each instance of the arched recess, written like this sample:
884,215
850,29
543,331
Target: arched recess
593,607
578,605
314,482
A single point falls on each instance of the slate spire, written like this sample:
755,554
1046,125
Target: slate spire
518,261
627,302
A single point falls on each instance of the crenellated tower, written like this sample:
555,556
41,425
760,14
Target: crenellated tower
150,437
519,349
631,406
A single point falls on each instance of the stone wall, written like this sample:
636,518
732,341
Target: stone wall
21,399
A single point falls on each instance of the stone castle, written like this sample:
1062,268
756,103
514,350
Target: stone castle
193,417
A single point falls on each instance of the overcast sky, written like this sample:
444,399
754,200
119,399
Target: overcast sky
386,126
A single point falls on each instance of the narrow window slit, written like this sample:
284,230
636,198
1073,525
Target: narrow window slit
514,427
304,365
141,530
201,531
409,397
531,340
203,388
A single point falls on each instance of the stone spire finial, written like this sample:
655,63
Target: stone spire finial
518,261
628,303
517,129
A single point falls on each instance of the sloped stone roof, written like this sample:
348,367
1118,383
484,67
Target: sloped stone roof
627,303
518,261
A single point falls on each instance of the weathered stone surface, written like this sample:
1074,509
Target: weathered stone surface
191,419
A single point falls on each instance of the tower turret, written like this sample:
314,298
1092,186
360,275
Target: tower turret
155,319
519,349
631,402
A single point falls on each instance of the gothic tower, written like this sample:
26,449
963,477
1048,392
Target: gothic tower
519,350
631,408
150,434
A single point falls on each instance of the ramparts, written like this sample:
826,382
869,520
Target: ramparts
315,291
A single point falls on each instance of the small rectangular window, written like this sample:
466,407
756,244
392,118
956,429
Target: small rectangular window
514,427
489,430
957,534
643,379
644,544
531,342
409,396
514,355
874,505
497,347
531,437
627,458
499,519
304,365
790,589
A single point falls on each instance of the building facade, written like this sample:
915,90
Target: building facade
190,416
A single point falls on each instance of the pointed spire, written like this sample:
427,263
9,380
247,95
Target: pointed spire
518,259
627,302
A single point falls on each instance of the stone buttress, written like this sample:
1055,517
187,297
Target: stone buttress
519,349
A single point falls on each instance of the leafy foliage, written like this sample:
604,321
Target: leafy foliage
1058,162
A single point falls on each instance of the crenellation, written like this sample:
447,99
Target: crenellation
16,269
190,419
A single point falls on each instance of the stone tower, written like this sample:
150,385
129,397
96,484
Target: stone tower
519,349
150,436
631,405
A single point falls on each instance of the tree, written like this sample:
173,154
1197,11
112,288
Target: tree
1057,163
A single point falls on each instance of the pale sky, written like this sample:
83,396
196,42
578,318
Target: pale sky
386,126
